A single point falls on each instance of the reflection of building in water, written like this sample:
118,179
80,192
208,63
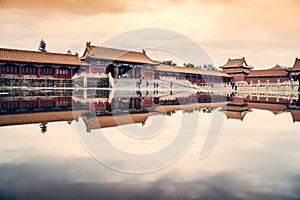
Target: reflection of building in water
131,110
20,110
97,122
276,105
236,109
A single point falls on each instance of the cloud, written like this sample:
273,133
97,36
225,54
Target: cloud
74,6
79,179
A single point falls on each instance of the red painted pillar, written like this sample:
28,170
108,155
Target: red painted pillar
20,70
39,71
55,72
20,104
39,103
55,102
117,71
132,73
71,72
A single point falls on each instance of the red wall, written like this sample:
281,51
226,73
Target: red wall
147,73
97,69
238,78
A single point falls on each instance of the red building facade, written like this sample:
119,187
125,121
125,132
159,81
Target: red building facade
32,68
131,64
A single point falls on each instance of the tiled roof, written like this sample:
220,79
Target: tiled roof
25,56
234,63
32,118
189,70
295,115
296,66
268,72
279,67
116,55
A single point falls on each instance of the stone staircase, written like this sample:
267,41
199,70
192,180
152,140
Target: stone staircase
131,84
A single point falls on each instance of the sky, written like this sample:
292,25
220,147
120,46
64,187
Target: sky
265,32
259,162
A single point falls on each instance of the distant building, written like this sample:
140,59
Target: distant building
241,71
295,70
273,75
237,68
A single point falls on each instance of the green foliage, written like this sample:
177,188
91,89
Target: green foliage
42,46
169,62
169,113
190,65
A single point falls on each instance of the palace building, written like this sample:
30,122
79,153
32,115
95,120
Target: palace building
43,69
32,68
241,71
237,68
118,62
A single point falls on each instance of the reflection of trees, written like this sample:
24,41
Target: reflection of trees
43,127
208,110
169,113
188,111
204,110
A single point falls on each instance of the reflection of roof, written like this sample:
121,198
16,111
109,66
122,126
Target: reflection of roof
295,115
235,63
268,72
33,118
98,122
189,70
235,114
105,53
236,110
38,57
274,108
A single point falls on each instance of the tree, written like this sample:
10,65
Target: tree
43,127
42,46
189,65
209,67
169,62
69,52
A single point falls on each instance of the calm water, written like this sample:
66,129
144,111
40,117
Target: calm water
149,145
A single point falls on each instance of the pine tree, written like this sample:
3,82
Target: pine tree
42,46
43,127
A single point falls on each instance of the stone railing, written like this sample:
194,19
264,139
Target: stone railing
202,87
286,86
178,81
